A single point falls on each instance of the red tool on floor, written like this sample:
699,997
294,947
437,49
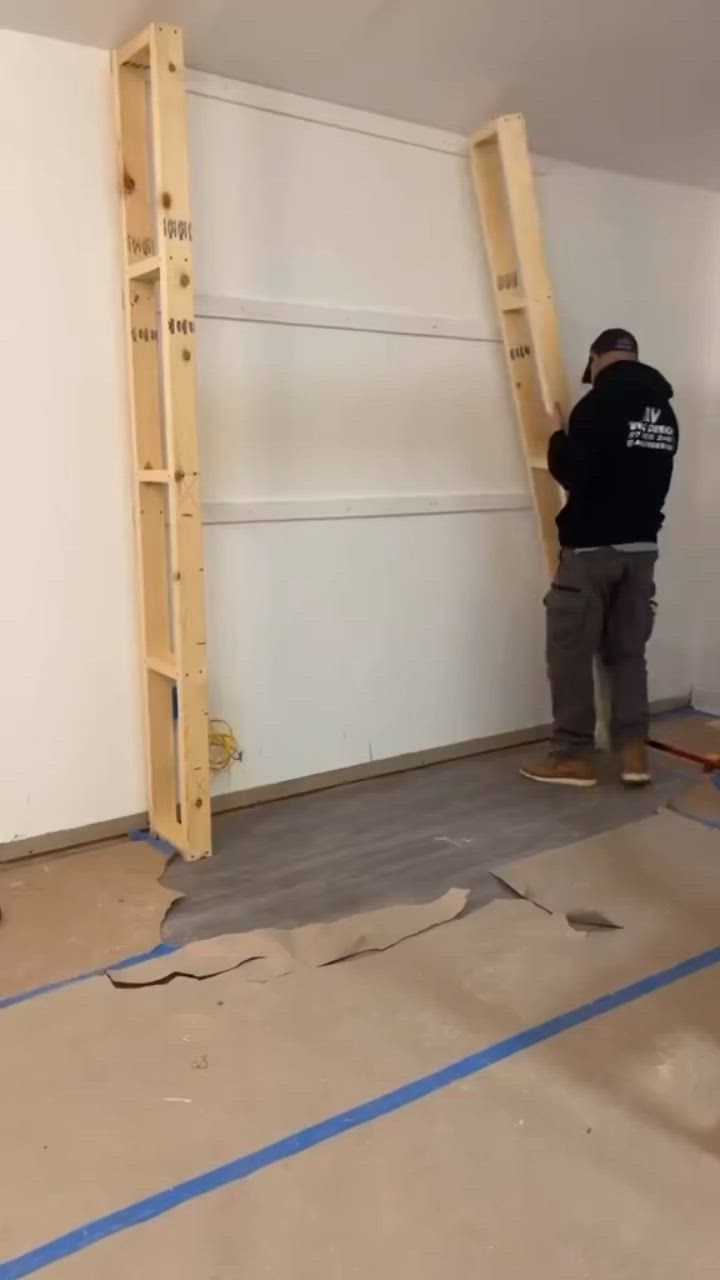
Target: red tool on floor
710,764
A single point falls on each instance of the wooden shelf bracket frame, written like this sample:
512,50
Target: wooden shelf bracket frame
148,75
505,190
507,200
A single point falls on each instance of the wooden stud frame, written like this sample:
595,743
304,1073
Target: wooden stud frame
505,190
148,76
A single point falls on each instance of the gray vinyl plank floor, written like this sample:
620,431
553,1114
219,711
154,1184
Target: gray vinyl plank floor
400,839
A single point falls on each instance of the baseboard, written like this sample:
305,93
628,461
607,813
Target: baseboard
402,764
114,828
100,832
660,706
706,700
73,838
377,769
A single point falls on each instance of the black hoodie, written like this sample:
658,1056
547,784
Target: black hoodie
616,458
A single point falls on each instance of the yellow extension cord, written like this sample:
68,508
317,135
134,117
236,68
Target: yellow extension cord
224,749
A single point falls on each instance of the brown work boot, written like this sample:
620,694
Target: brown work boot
635,771
565,771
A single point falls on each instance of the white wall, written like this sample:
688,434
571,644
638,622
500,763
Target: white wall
644,255
332,641
704,560
70,745
433,617
335,642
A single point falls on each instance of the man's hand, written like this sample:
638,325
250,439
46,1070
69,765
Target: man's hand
556,419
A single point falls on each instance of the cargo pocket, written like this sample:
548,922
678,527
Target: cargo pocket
567,620
651,615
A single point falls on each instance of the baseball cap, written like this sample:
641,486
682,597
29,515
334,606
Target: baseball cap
610,340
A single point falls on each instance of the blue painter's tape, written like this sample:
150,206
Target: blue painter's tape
705,822
145,1210
162,949
163,845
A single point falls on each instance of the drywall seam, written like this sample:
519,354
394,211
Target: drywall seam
320,316
277,102
272,511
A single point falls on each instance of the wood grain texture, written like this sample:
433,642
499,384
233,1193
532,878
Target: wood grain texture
159,319
402,839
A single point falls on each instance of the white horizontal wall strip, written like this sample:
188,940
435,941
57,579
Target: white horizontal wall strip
313,111
422,504
319,316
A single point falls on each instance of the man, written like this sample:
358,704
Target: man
615,461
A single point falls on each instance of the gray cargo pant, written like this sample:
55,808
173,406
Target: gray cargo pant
600,602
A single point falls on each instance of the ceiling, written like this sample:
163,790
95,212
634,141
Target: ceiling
631,85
